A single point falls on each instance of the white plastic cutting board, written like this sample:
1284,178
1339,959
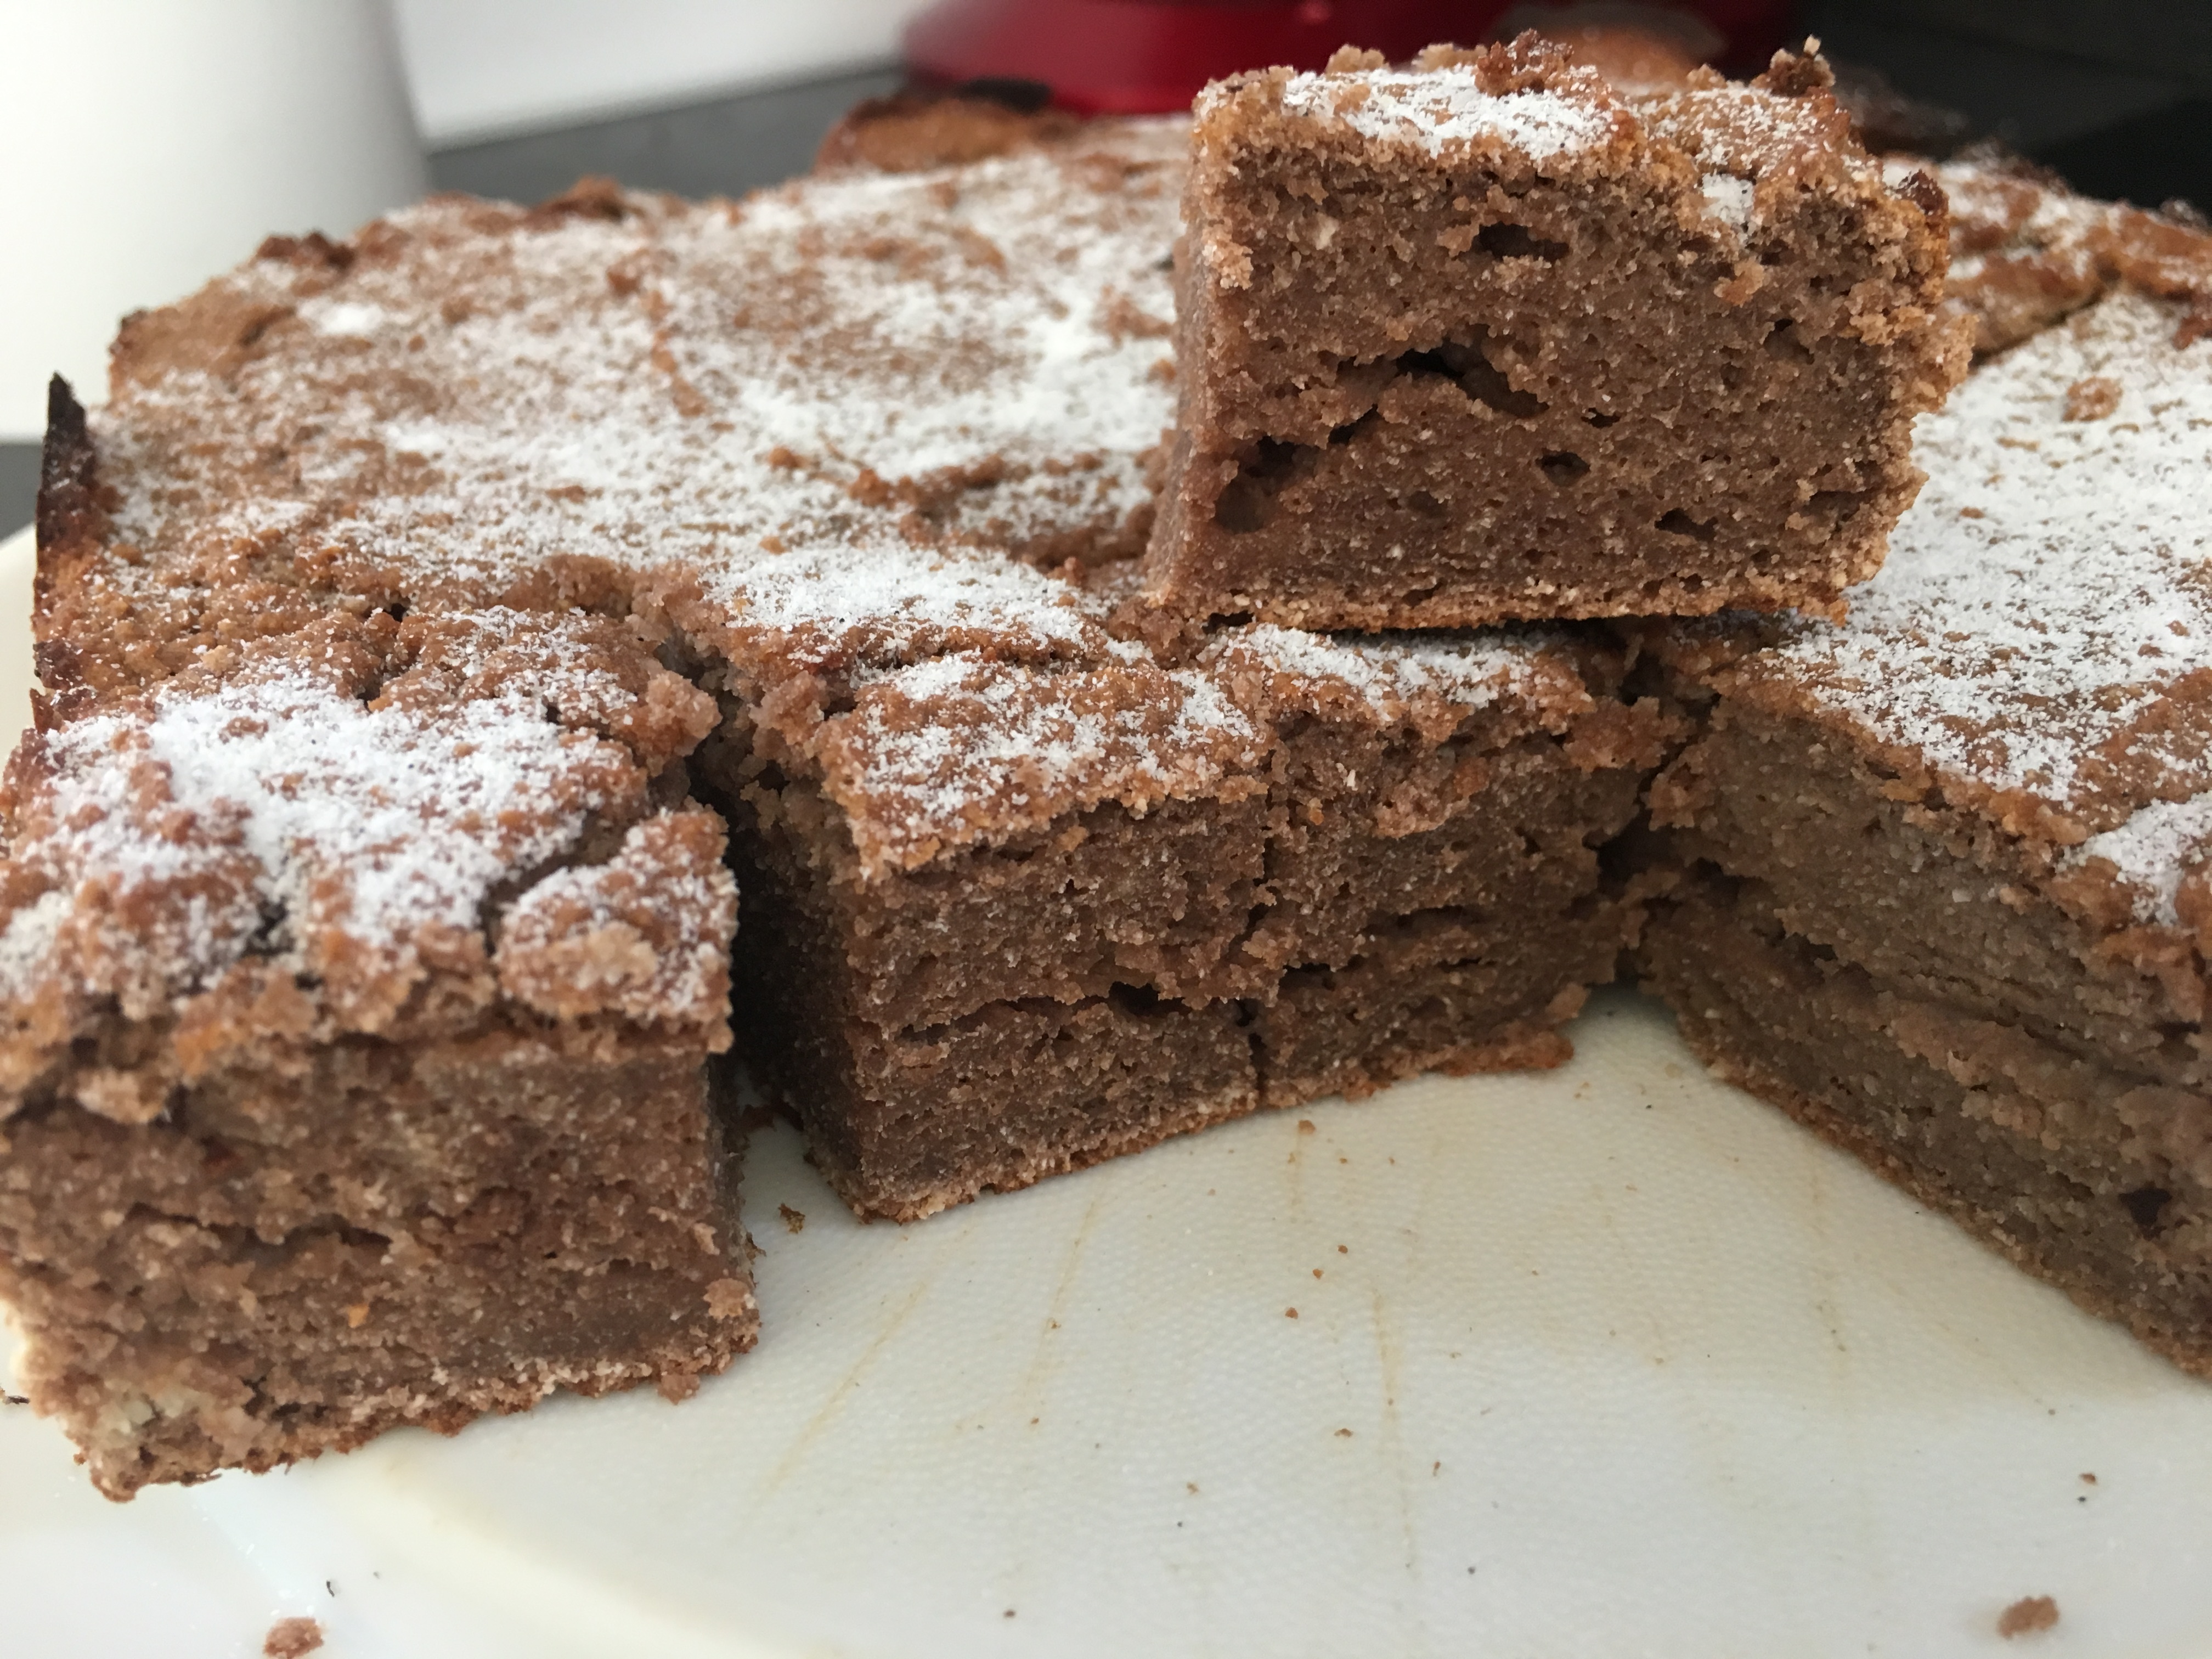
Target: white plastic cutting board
1607,1361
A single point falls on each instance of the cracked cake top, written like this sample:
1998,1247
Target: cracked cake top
2026,251
385,827
470,404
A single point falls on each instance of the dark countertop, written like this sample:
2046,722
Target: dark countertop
2125,126
19,486
724,148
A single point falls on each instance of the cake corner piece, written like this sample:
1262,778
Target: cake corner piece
355,1010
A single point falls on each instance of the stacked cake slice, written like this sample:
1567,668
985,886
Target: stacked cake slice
357,1002
1485,339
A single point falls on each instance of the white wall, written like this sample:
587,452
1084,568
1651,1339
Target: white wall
147,144
480,67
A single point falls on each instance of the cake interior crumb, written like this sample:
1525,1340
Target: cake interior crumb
292,1638
2027,1616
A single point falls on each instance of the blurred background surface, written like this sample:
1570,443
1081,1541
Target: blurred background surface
517,98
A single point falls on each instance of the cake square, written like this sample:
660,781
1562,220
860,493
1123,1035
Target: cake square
1943,890
1297,866
1483,340
357,1003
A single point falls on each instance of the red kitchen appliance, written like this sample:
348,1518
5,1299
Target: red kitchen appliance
1134,57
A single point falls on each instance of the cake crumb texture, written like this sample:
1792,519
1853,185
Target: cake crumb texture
2027,1616
1486,339
454,634
424,613
293,1638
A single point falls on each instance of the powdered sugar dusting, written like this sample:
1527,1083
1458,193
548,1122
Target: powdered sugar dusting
1440,108
646,934
849,369
966,748
981,327
1388,670
2026,251
2151,851
343,317
1995,209
1747,133
1730,198
882,601
260,816
832,435
28,941
2051,585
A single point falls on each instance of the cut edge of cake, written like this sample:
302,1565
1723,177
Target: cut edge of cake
1480,339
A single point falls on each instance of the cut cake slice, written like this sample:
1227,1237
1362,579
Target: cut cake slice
1945,888
1003,922
1482,339
352,1071
365,926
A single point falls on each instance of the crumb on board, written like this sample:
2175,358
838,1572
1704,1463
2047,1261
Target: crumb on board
292,1638
794,1219
2027,1615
